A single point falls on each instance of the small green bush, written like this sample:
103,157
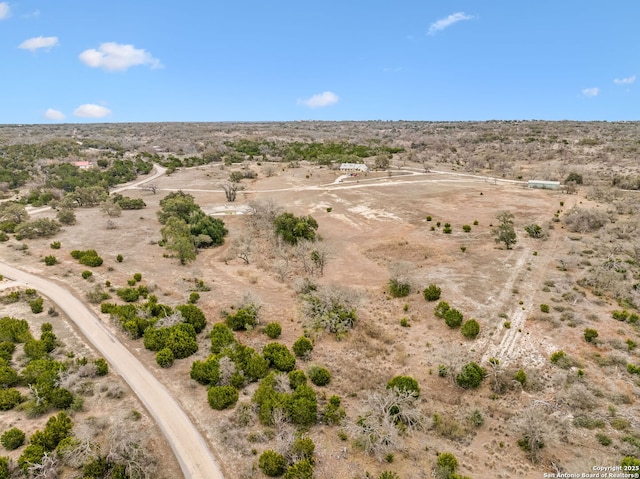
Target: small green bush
590,335
296,378
398,288
441,309
432,293
557,356
222,397
302,347
37,305
404,322
453,318
272,463
165,358
446,465
544,308
86,274
300,470
55,245
303,447
119,258
471,376
279,357
404,383
521,377
470,329
50,260
244,318
221,337
273,330
12,439
102,365
137,277
319,376
466,228
194,297
603,439
429,218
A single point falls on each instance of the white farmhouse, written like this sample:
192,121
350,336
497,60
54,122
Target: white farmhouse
354,167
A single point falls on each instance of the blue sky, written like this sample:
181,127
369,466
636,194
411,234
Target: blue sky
82,61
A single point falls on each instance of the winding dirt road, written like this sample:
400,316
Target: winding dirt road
187,443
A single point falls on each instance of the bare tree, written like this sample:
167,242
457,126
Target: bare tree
127,446
47,469
376,429
242,247
536,430
152,187
230,191
227,370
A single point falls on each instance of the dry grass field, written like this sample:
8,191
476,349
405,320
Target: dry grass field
530,301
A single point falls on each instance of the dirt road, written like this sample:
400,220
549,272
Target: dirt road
189,446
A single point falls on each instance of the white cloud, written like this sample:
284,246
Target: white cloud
625,81
89,110
113,56
447,22
5,10
52,114
320,100
591,92
35,43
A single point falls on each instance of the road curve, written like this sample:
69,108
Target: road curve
187,443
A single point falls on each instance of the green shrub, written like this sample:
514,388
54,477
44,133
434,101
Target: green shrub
95,468
12,439
194,297
441,309
453,318
221,337
557,356
429,218
55,245
137,277
590,335
603,439
87,258
471,376
466,228
244,318
300,470
404,383
319,376
470,329
297,377
404,322
119,258
272,463
476,419
446,465
206,372
544,308
432,293
36,305
102,366
303,448
521,377
620,315
302,347
222,397
165,358
130,295
50,260
279,357
32,454
86,274
273,330
399,288
193,315
388,475
333,413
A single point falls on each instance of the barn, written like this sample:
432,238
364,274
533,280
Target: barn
354,167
